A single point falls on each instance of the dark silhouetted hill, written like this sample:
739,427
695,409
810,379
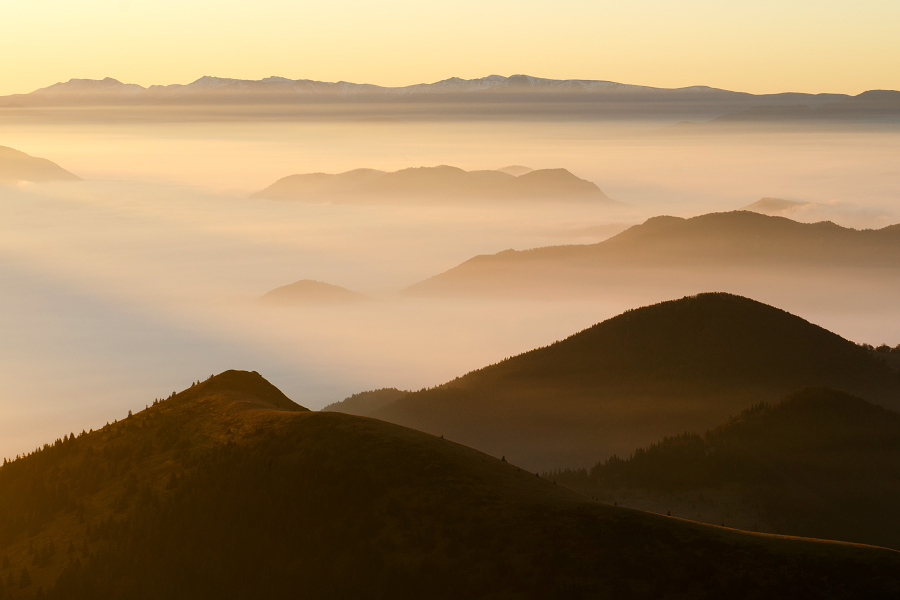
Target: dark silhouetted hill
17,166
820,463
730,240
683,365
218,492
365,403
873,105
309,292
430,184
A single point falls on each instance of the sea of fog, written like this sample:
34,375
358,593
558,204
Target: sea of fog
144,277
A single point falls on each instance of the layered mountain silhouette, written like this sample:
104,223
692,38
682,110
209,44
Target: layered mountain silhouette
820,463
16,166
310,292
682,365
442,183
730,240
230,490
280,89
495,96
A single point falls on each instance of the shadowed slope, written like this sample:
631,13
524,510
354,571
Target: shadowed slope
17,166
365,403
327,505
820,463
682,365
716,241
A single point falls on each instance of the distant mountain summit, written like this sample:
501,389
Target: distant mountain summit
16,166
309,292
682,365
435,184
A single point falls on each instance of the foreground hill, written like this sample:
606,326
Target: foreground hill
17,166
820,463
229,490
716,241
309,292
430,184
683,365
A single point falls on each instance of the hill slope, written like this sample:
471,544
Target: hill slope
326,505
433,184
683,365
17,166
716,241
820,463
365,403
309,292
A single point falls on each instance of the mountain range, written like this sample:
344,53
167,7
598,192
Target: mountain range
230,490
717,241
435,184
819,463
660,370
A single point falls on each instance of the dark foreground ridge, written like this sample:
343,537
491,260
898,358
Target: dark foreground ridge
228,491
820,463
682,365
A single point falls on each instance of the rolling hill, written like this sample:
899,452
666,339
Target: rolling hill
715,242
682,365
820,463
230,490
307,292
433,184
17,166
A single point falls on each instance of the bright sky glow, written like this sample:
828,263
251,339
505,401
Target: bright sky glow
756,46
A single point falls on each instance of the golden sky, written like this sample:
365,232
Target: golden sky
755,45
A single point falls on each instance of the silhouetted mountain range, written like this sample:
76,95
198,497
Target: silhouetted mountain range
423,184
310,292
728,240
17,166
818,464
230,490
682,365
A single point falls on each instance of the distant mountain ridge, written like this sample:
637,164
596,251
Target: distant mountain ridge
717,240
283,89
16,166
423,184
681,365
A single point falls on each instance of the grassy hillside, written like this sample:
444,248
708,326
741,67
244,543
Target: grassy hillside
683,365
820,463
229,490
738,239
